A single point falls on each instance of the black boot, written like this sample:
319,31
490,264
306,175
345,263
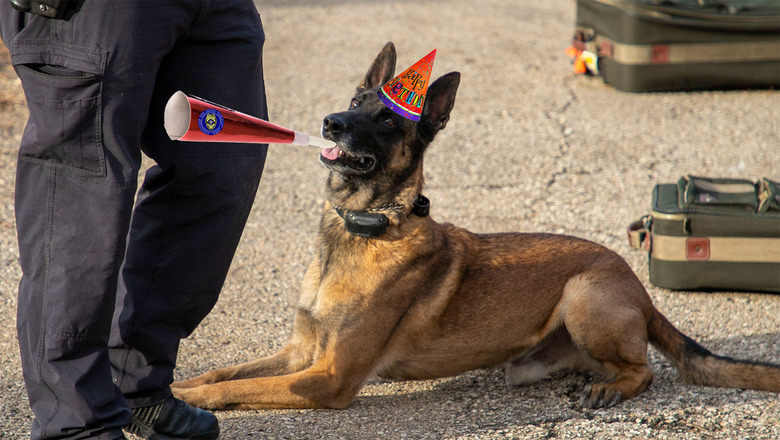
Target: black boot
174,420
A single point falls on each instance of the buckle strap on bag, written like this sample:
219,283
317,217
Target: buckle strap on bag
639,233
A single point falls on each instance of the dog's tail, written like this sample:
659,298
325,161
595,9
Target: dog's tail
699,366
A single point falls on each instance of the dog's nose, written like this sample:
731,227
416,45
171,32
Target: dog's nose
334,123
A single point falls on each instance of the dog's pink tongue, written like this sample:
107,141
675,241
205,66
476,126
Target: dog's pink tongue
331,153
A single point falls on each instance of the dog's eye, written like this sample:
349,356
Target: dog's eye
389,121
353,104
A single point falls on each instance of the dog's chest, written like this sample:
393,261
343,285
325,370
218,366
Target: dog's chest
350,278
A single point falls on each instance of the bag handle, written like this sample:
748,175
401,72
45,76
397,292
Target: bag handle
768,195
703,191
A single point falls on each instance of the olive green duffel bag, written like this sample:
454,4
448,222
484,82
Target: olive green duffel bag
713,234
654,45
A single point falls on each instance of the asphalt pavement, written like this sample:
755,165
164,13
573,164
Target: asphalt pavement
530,147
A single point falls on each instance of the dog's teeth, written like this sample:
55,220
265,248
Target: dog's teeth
342,153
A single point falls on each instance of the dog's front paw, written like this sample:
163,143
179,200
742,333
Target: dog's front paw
203,379
600,395
201,396
189,383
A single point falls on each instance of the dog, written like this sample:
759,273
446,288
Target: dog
391,293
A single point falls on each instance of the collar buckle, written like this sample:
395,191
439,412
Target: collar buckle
422,206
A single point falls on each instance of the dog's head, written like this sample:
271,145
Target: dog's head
373,143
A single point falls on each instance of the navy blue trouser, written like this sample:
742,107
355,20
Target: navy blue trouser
109,286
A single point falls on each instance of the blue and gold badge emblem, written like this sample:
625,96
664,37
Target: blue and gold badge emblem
211,121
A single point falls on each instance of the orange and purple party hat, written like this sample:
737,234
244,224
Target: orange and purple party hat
405,94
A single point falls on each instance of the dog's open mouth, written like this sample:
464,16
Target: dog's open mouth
336,156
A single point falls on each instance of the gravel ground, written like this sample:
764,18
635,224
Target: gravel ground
530,147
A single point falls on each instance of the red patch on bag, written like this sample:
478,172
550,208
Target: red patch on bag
697,249
659,54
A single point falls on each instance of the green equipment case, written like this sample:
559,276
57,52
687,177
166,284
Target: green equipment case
713,234
672,45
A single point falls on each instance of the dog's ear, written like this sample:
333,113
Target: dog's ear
438,105
381,70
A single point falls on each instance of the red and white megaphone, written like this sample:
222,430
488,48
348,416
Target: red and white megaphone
188,118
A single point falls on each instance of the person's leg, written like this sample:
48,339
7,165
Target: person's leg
88,81
193,205
70,233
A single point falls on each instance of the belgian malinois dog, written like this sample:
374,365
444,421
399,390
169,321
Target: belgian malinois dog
392,293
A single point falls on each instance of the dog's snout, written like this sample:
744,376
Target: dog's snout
334,123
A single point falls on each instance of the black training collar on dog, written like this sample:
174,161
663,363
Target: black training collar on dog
370,224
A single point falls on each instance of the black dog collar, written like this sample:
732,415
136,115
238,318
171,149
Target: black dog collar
371,224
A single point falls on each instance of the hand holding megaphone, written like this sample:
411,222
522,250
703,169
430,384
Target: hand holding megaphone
188,118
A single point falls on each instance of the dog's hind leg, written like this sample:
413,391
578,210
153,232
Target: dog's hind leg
556,352
606,313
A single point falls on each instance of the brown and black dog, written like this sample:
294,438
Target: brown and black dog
392,293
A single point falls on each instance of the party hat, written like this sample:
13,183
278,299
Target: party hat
405,94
